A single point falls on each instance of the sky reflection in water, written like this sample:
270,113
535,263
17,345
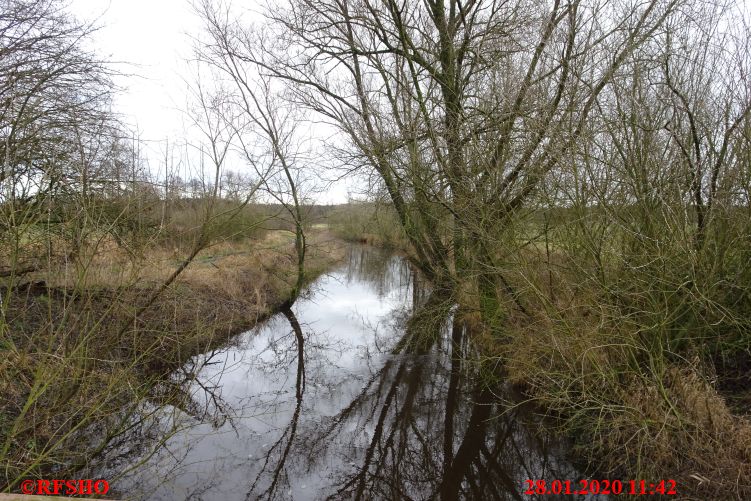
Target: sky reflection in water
347,420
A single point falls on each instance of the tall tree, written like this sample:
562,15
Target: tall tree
462,108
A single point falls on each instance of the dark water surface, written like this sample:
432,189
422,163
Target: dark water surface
314,405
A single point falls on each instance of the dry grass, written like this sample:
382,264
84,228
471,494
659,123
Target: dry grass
74,368
631,412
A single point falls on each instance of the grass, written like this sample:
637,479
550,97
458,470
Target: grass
367,223
631,414
620,354
634,348
81,363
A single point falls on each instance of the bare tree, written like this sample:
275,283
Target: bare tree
266,126
462,108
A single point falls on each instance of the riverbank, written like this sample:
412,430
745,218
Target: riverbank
81,359
634,403
629,413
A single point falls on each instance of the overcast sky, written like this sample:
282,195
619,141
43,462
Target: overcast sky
150,42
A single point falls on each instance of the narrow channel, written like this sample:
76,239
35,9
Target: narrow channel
314,404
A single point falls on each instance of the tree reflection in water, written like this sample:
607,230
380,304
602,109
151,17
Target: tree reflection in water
348,403
285,441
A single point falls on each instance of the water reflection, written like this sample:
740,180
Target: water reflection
279,452
333,399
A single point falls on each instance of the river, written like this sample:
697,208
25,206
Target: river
315,404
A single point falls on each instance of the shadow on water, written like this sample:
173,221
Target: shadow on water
334,399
